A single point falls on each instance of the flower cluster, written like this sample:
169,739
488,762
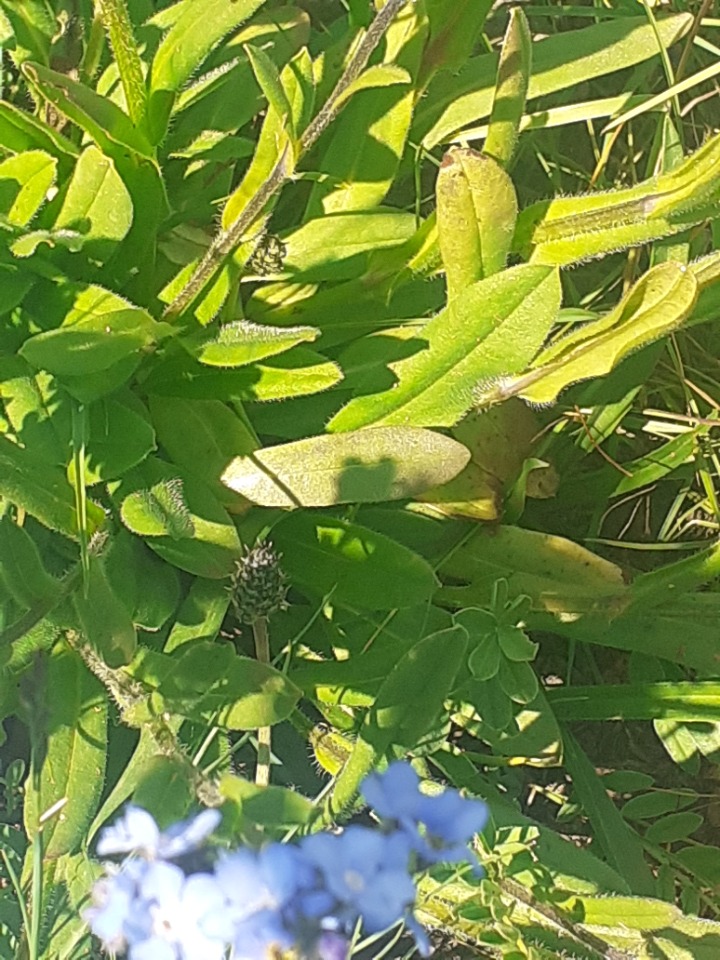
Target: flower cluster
258,904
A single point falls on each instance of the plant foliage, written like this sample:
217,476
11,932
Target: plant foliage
416,299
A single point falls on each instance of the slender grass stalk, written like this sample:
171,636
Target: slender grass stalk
264,735
17,889
79,431
36,897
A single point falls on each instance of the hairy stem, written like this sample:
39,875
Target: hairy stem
115,17
227,240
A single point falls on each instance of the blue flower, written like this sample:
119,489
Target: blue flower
137,832
449,820
156,912
177,917
367,874
395,793
113,905
261,890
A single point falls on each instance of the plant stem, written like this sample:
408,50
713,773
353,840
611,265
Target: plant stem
226,240
264,734
117,22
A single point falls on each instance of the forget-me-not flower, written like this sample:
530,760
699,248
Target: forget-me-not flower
137,832
449,820
366,872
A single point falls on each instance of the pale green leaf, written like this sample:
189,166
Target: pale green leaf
106,123
633,912
510,90
97,204
366,466
99,329
377,75
267,76
656,305
26,179
240,343
184,522
297,373
336,247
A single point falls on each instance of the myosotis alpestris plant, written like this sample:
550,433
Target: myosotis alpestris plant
173,900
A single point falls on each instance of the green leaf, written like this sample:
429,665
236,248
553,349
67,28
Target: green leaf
515,643
268,78
377,75
208,681
510,90
703,861
130,567
42,491
560,576
21,131
164,789
425,674
119,437
99,330
33,28
184,523
111,129
634,913
518,680
455,28
358,567
476,211
683,701
366,466
294,374
140,761
337,246
676,826
97,204
22,572
202,436
658,303
649,806
183,49
362,149
487,702
201,615
620,844
73,766
484,661
240,343
494,329
626,781
24,181
560,62
28,243
271,807
569,229
106,622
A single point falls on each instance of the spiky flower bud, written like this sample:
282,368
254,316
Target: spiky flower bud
258,586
